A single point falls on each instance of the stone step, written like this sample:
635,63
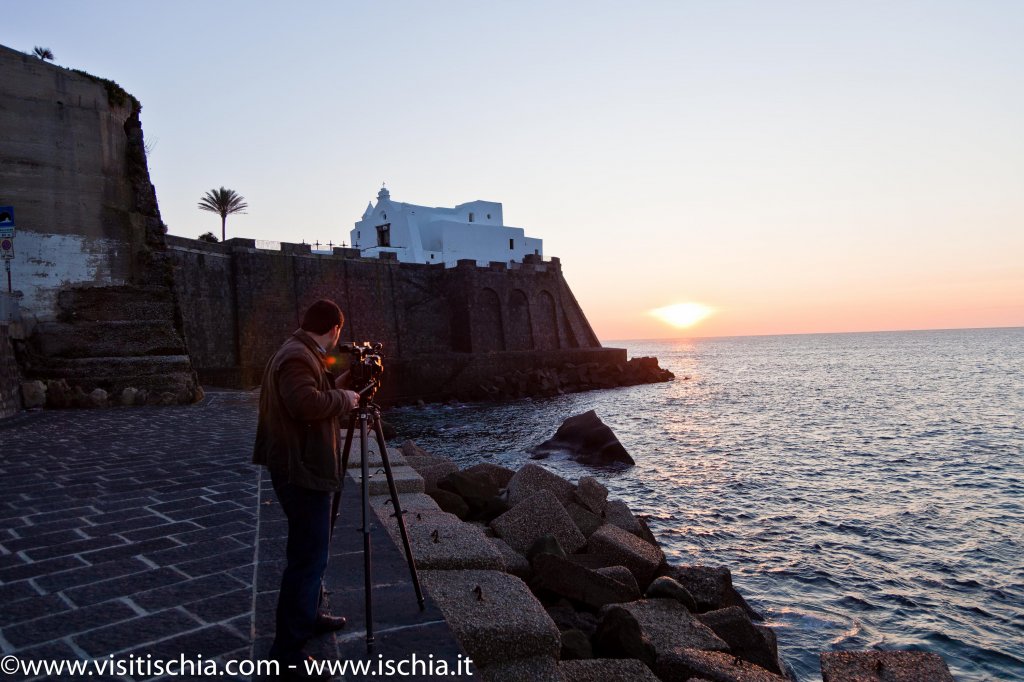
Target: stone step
406,480
120,338
89,304
355,457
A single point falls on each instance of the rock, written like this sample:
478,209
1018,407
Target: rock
478,492
883,666
33,394
619,635
586,521
568,618
493,615
498,476
417,462
591,494
645,532
668,625
575,645
617,513
592,561
711,587
735,628
388,430
545,544
685,664
515,563
450,502
410,449
441,541
664,587
606,670
536,669
531,479
58,393
622,575
562,577
98,398
627,550
142,397
587,440
538,515
129,396
432,475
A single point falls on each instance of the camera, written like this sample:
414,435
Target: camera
366,365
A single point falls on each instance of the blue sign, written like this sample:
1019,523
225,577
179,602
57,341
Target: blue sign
6,216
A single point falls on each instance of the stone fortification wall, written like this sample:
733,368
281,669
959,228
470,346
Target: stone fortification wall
444,328
73,166
10,396
89,248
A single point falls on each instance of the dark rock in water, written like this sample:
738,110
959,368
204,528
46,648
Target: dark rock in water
745,640
450,502
619,636
587,440
575,646
905,666
667,588
692,664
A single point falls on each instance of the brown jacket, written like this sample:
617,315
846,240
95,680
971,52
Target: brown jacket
300,412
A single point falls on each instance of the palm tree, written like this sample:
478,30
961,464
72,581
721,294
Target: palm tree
223,202
43,53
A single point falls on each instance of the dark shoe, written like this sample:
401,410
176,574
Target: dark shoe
325,622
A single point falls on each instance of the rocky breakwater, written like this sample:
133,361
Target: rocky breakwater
571,378
540,578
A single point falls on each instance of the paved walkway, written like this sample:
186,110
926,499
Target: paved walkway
146,531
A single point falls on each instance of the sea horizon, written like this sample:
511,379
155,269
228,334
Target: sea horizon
659,339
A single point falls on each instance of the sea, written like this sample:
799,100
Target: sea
866,490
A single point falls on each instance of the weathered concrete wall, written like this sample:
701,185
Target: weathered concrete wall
445,327
10,393
72,164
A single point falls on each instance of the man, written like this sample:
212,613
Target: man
297,440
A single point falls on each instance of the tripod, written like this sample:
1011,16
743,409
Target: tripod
368,417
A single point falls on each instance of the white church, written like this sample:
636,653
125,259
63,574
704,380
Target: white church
422,234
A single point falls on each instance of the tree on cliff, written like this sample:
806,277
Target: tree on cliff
223,202
43,53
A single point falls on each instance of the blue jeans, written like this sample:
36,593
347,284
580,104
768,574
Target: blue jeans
309,534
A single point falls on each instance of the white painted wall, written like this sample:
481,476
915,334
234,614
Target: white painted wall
424,234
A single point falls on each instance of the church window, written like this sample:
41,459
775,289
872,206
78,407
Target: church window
511,244
384,216
536,252
488,216
470,216
384,235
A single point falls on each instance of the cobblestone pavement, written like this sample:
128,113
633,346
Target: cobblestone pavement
147,532
129,531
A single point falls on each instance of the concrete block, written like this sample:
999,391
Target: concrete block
883,666
591,494
669,625
411,503
515,563
531,479
440,541
606,670
540,514
627,550
585,520
537,669
493,615
406,480
617,513
691,664
579,584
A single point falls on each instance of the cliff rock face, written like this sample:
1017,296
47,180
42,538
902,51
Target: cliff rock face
74,168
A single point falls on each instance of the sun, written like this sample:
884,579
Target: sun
683,315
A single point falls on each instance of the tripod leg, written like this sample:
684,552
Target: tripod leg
398,509
345,452
367,562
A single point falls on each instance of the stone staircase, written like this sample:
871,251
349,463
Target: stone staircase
114,338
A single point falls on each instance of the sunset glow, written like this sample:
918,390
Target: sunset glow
683,315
